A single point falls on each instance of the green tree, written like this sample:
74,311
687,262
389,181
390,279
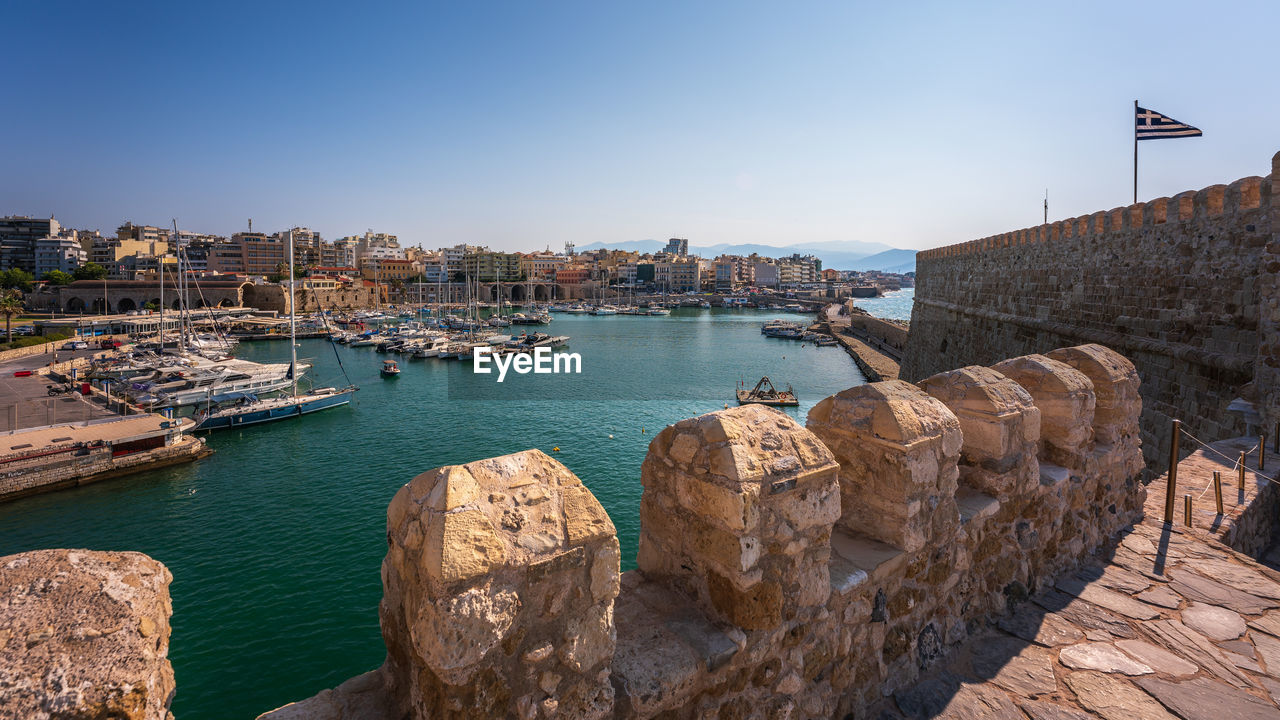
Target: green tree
90,271
10,305
282,272
57,277
16,278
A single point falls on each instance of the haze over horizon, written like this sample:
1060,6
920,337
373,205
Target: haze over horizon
522,126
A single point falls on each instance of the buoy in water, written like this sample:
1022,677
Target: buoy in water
611,437
555,449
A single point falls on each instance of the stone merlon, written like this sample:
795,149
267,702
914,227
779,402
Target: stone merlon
783,570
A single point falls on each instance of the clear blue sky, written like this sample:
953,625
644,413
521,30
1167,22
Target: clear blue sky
525,124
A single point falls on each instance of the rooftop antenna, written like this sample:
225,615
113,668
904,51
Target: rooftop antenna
1046,206
250,224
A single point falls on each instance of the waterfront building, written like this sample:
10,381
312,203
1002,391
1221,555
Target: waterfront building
110,251
679,275
18,236
723,275
678,247
541,266
492,266
308,246
58,252
627,273
373,245
798,269
386,269
765,273
341,253
248,253
572,275
149,234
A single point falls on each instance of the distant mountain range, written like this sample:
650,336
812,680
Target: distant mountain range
850,255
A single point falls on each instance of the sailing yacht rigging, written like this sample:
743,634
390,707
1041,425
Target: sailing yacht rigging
245,409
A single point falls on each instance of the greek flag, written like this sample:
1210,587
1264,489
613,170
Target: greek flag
1151,125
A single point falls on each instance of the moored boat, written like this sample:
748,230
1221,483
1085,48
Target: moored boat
764,393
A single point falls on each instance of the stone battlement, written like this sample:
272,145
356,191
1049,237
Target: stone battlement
1187,287
1215,201
784,570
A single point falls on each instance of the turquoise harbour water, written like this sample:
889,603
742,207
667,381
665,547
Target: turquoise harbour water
895,305
275,542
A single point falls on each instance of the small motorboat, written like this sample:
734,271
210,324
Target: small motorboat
390,368
764,393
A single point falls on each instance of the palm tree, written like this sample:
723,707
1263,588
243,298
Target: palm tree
10,305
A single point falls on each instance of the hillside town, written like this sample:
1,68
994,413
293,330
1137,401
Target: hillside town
41,251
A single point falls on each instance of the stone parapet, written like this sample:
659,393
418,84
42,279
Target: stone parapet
784,571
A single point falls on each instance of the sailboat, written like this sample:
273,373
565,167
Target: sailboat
237,409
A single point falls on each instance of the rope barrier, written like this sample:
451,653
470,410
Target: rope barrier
1235,462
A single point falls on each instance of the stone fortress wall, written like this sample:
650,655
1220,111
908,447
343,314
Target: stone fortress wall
784,570
1186,287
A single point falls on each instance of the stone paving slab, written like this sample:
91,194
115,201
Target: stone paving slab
1168,624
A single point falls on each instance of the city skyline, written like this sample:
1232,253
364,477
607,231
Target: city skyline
524,127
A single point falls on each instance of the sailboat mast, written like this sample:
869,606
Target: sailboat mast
293,331
182,295
161,268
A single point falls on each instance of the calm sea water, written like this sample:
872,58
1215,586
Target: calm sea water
275,541
895,305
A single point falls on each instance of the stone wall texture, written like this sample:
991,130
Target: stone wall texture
1186,287
84,634
891,333
784,570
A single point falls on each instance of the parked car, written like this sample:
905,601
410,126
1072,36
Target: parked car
68,345
109,344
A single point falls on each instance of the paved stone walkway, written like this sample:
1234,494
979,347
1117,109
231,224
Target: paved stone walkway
1169,623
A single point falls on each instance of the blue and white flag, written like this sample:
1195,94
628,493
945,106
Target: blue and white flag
1151,125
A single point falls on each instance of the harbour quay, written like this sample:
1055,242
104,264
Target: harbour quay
58,441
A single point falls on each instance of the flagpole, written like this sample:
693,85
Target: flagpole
1135,152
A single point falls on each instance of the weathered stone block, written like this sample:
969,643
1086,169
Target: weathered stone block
490,563
85,635
897,448
1066,400
1001,428
741,516
1115,384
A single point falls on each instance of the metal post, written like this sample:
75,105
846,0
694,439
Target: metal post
1240,474
1135,152
1172,485
1217,489
1262,452
1275,441
1186,510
